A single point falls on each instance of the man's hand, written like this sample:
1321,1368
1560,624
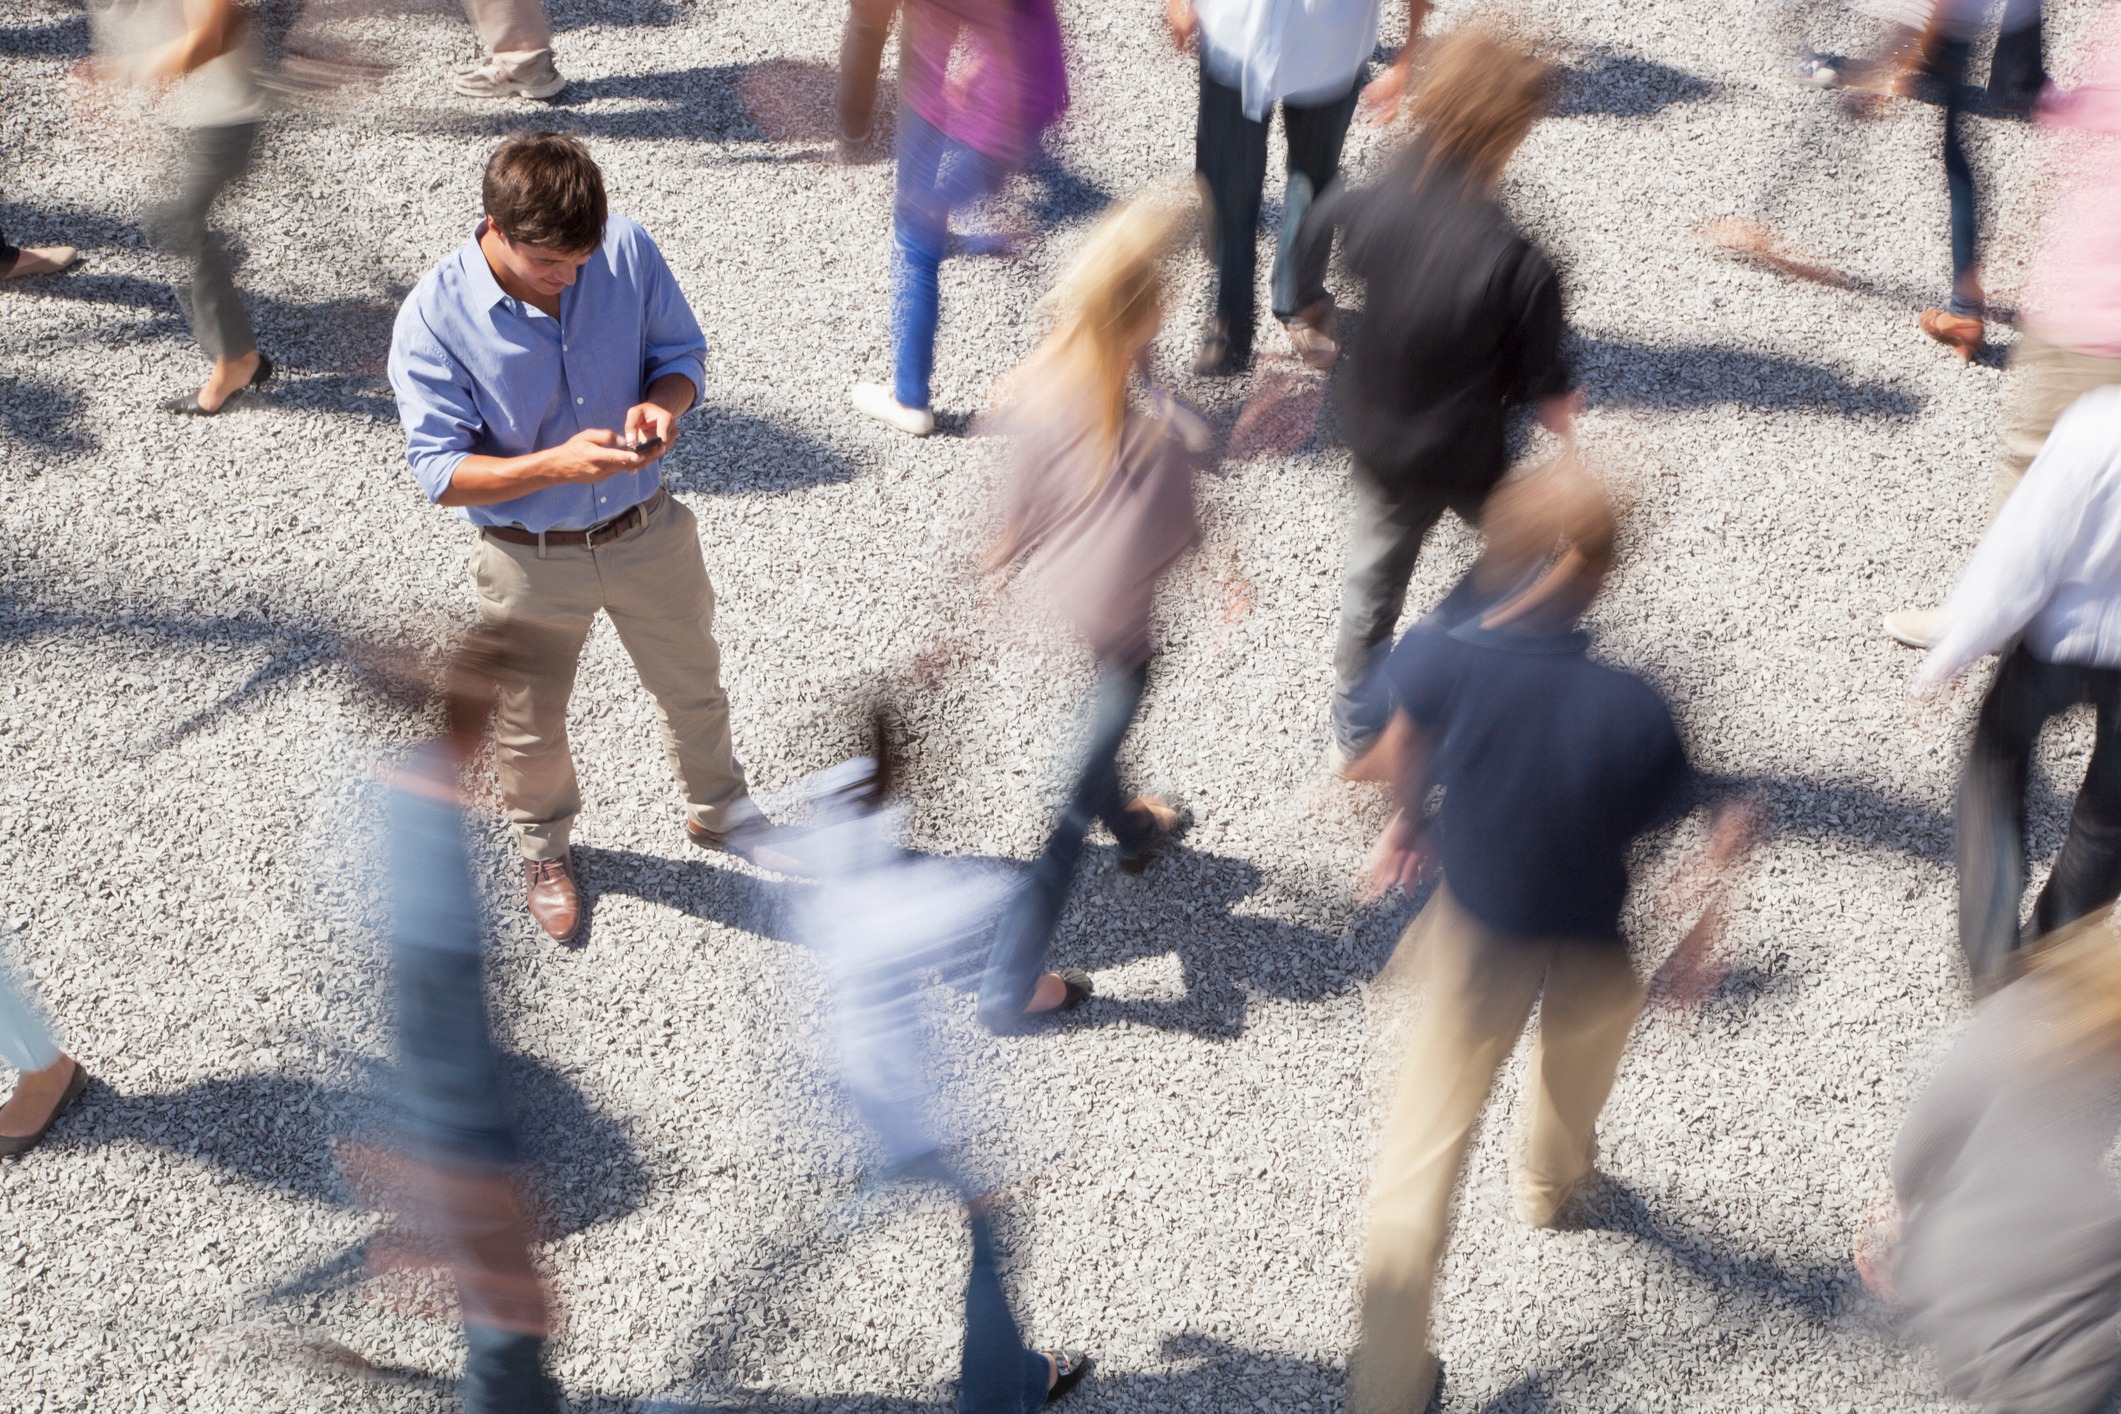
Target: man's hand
1185,25
1558,414
1400,860
591,455
1694,971
650,420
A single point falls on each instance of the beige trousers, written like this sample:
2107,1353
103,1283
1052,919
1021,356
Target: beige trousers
1477,990
652,581
515,32
2049,378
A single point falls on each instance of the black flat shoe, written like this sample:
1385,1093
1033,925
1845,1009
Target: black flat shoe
1070,1368
13,1146
188,404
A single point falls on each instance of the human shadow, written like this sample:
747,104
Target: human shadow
1623,373
756,102
699,887
729,453
43,416
64,38
1611,83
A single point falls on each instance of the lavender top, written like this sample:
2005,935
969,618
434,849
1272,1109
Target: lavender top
988,73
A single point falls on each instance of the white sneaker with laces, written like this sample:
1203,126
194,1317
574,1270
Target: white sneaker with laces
493,80
876,400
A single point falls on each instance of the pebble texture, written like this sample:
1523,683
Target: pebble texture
183,767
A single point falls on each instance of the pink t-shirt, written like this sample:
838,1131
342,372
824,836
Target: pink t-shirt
2073,294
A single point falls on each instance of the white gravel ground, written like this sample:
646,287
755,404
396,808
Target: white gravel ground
181,807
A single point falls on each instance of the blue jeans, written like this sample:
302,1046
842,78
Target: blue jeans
936,175
1025,933
1000,1375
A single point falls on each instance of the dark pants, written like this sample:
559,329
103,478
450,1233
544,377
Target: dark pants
214,158
861,58
1991,809
1000,1375
1383,543
1949,67
1230,151
7,253
1025,933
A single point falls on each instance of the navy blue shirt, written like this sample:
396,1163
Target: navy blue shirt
1551,766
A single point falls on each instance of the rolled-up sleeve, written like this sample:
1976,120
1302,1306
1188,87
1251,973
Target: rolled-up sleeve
435,402
672,338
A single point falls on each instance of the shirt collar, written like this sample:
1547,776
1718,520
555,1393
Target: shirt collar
485,289
1575,641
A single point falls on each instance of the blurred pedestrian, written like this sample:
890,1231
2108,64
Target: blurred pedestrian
197,61
2069,321
1100,497
540,373
882,919
455,1186
861,63
1310,58
515,58
47,1079
964,126
1551,766
1463,323
24,262
2044,588
2008,1258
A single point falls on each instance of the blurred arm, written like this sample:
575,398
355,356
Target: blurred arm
210,29
1381,97
1692,971
1401,857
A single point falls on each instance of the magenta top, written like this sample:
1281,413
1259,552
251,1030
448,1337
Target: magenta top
988,73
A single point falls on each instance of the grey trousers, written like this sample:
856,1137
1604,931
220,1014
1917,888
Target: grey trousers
1384,540
213,159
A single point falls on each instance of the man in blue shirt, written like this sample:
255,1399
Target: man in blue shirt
540,373
1551,766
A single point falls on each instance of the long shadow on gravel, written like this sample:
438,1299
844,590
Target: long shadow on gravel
1620,373
42,416
726,453
1610,83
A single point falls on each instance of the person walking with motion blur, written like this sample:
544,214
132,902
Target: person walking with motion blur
196,61
515,52
2044,589
1100,498
880,919
1310,58
47,1079
1551,767
541,371
861,64
1464,323
963,129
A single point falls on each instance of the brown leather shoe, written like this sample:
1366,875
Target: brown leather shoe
1960,333
555,900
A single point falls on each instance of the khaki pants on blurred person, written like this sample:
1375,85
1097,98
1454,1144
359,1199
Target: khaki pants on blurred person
2048,379
1477,988
653,583
515,33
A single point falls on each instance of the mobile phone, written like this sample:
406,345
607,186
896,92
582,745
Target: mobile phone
642,449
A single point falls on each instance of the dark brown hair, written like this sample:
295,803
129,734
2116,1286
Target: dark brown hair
543,189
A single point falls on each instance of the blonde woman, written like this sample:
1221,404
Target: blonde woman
1100,500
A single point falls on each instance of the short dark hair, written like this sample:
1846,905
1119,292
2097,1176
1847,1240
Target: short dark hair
543,189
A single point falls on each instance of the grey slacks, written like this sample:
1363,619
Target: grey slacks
214,158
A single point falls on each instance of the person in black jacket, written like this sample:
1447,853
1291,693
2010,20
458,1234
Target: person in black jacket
1463,323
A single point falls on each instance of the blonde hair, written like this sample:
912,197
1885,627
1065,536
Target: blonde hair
1479,92
1108,304
1558,517
2082,961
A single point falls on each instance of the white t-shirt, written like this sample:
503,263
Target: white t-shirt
1301,51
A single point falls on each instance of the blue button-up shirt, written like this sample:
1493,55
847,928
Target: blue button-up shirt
477,371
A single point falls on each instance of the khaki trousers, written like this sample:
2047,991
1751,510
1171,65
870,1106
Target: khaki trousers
2049,378
515,32
1477,988
653,583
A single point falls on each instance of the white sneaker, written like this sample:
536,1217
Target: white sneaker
876,400
1917,628
491,80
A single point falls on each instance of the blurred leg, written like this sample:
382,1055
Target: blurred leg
2018,70
920,226
1100,793
2087,873
1990,814
1383,541
999,1374
1587,1009
1476,990
2045,380
1230,151
551,604
1315,135
1949,66
26,1042
504,1373
214,158
861,59
662,604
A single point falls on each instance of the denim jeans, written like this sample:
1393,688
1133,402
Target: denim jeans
1949,67
1991,809
936,176
1025,932
1230,151
26,1042
999,1375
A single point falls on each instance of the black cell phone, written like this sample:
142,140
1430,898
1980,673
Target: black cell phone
642,449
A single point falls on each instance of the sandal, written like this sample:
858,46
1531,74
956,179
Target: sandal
188,404
1070,1368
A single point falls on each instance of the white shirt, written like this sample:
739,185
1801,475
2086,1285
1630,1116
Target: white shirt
1304,51
2050,566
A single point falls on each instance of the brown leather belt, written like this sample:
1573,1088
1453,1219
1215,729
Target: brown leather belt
595,535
